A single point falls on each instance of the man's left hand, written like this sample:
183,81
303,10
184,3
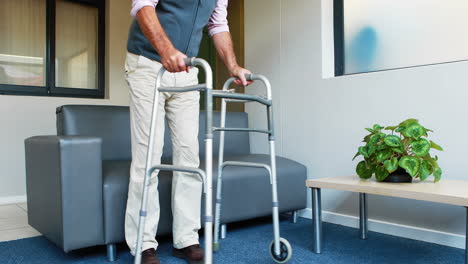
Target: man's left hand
240,73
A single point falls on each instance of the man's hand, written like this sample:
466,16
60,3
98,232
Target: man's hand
240,73
173,60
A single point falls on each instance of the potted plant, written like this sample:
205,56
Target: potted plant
399,155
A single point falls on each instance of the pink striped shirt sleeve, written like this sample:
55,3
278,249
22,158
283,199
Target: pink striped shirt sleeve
139,4
218,21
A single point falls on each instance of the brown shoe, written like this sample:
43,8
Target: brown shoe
192,254
149,256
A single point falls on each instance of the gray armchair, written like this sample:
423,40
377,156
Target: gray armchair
77,181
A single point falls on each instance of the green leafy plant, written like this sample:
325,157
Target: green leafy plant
405,146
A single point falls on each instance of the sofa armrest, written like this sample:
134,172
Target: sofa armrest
64,189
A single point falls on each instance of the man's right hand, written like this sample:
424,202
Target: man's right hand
173,60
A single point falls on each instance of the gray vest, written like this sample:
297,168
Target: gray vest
183,21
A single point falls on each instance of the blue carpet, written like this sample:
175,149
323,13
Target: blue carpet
248,243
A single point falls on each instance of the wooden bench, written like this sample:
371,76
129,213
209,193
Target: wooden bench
454,192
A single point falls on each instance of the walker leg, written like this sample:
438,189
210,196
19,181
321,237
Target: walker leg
209,171
148,171
274,189
217,224
275,203
219,183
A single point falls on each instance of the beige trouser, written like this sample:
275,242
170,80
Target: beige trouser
181,111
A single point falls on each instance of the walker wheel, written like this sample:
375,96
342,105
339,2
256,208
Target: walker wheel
285,251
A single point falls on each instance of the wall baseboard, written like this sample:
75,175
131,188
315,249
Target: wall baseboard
12,199
411,232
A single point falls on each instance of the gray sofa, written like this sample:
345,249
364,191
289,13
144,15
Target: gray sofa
77,181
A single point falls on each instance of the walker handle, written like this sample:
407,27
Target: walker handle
189,61
251,77
248,77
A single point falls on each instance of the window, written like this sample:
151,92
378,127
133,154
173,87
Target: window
376,35
52,47
22,42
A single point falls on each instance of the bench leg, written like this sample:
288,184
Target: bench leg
293,218
317,219
223,231
111,252
466,238
363,216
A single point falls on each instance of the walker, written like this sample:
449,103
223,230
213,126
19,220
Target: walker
280,248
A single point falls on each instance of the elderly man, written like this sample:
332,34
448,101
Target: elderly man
162,35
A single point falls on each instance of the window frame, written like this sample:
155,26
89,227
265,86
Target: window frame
50,89
338,34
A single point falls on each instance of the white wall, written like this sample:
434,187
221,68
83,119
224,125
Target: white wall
25,116
320,121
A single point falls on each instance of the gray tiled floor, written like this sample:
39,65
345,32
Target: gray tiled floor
14,223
